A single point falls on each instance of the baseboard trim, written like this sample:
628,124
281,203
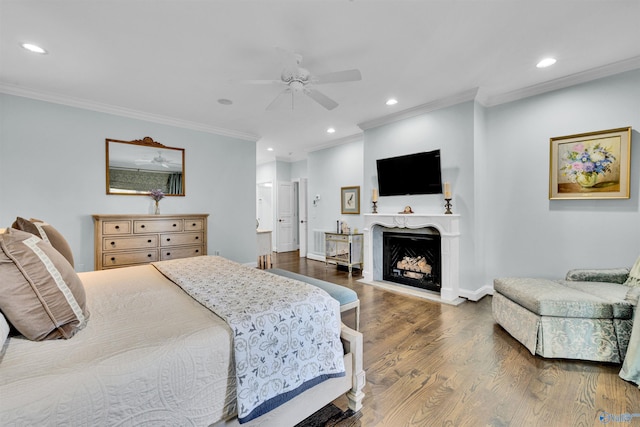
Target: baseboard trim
477,295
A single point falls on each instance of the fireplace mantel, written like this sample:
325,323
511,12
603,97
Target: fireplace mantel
447,226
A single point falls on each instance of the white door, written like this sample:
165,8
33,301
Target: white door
302,213
284,226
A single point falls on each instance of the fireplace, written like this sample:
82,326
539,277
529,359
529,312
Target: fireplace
444,228
412,259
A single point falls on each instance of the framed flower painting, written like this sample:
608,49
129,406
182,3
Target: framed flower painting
591,165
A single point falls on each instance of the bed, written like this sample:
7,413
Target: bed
149,353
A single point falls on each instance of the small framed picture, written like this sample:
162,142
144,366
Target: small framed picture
350,200
591,165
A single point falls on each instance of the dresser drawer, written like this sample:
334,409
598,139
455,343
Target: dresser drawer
181,252
134,242
193,224
117,259
157,226
116,227
181,239
338,237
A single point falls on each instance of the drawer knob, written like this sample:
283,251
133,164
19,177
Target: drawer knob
117,227
149,255
142,226
193,225
175,225
197,237
197,250
113,258
149,241
168,253
113,243
168,239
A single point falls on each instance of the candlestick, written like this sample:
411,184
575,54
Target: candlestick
447,206
375,208
374,195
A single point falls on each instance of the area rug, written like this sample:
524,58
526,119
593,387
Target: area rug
332,416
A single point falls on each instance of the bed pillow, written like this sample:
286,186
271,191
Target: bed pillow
42,296
634,275
47,233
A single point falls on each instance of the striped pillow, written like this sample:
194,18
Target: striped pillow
47,233
40,293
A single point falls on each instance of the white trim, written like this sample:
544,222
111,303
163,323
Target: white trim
477,294
468,95
562,82
121,111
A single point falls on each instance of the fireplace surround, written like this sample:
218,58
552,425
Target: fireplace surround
446,226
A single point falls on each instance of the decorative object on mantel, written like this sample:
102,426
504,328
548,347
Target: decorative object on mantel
407,210
447,198
156,195
594,165
374,200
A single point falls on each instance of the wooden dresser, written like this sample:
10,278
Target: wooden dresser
124,240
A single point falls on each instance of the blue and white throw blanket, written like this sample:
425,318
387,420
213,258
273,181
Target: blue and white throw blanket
286,332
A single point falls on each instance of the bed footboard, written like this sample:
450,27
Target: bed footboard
352,341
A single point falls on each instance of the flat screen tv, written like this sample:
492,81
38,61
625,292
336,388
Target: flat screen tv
417,173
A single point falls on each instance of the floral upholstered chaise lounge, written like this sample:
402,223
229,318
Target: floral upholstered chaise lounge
587,316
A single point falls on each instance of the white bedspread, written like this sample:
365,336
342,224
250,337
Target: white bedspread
150,355
286,333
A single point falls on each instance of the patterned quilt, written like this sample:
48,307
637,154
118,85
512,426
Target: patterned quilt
286,332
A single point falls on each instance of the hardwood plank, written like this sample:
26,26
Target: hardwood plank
431,364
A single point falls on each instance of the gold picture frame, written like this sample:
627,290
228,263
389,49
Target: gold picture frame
593,165
350,200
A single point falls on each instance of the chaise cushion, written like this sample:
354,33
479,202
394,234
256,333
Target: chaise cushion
634,275
340,293
612,293
550,298
613,275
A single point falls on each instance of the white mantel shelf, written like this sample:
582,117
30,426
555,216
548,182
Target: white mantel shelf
448,227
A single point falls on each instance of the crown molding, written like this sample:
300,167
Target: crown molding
561,83
334,143
120,111
467,95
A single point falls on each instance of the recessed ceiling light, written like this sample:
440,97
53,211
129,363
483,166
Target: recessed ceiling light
33,48
546,62
270,149
392,101
225,101
331,130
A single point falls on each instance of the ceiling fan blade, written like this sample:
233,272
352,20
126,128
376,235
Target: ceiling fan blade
321,99
338,77
258,82
280,100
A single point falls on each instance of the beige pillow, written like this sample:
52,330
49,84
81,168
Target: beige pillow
47,233
40,293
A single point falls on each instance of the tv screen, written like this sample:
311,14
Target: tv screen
417,173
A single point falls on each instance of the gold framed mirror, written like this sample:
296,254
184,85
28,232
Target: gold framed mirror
134,168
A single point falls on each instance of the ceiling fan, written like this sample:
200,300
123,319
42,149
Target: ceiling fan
157,160
298,80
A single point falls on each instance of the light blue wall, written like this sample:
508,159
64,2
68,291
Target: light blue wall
328,171
530,235
52,167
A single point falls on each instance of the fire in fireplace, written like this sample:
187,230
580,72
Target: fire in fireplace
412,259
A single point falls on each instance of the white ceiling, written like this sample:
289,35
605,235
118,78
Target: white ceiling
170,61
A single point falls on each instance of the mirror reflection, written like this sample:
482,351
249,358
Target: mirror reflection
137,167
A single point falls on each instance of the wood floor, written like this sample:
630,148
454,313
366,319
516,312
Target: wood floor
431,364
